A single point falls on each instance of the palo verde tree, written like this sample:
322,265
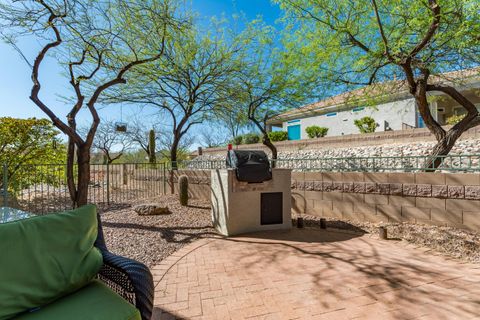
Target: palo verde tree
186,84
366,42
108,141
230,117
212,137
166,140
98,43
267,83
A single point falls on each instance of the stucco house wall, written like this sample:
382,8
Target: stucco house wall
339,123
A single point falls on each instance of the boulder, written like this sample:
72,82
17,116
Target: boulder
151,209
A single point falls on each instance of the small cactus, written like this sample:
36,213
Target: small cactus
151,147
183,190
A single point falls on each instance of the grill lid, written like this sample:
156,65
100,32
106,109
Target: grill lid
250,165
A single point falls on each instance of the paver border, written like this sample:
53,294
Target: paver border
160,270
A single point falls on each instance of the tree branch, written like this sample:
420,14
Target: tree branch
435,8
382,33
36,82
455,95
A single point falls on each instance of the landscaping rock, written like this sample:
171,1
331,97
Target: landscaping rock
151,209
414,148
150,239
449,241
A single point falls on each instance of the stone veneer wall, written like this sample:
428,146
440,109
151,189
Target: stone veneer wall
429,198
443,199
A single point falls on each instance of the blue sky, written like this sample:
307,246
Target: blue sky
15,82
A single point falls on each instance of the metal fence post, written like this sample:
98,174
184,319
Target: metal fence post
124,174
5,185
164,178
108,184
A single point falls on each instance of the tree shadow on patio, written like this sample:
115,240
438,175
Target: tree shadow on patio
339,273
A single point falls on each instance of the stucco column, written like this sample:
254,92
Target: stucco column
434,110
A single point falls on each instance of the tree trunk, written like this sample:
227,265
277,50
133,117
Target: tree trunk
266,142
443,148
83,176
72,189
445,139
173,159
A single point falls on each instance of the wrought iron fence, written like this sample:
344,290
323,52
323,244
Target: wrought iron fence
43,188
449,163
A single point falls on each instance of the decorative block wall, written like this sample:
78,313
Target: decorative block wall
443,199
430,198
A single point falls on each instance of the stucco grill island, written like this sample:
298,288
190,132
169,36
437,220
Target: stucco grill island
249,195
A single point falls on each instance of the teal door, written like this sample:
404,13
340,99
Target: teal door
294,132
420,122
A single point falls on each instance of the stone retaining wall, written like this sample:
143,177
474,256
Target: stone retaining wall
412,142
442,199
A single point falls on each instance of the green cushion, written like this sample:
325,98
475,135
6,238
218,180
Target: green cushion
46,257
93,302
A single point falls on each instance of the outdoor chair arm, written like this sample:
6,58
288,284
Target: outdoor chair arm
129,278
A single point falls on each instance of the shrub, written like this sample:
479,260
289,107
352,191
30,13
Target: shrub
316,132
278,136
453,120
251,138
366,124
24,143
237,140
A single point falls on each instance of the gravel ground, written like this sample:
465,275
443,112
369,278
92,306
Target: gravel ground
150,239
457,243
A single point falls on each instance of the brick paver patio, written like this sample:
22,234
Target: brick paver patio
313,274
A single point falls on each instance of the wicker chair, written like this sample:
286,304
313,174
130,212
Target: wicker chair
129,278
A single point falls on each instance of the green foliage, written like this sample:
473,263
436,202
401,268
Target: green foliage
267,82
341,40
98,42
453,120
238,140
251,138
26,144
230,117
187,85
366,124
183,190
278,136
152,158
316,132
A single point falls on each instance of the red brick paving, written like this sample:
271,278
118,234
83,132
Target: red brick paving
313,274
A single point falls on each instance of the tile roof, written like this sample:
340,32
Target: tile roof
380,92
